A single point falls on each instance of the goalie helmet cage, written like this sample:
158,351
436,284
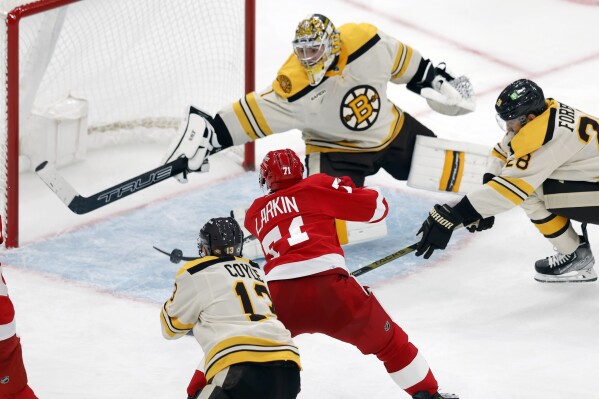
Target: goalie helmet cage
136,64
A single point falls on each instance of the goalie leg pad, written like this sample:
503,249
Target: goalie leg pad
445,165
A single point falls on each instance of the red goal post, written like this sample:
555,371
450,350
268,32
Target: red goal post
112,65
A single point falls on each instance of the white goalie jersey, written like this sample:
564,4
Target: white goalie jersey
349,111
226,302
562,143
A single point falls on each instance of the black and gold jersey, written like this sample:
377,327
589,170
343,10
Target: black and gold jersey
226,302
562,144
349,111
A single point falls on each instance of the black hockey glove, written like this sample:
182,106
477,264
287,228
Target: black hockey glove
483,224
437,229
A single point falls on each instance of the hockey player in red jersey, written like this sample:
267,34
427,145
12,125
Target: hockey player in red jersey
305,267
13,378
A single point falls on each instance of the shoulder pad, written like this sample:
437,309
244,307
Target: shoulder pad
200,264
291,78
354,37
536,132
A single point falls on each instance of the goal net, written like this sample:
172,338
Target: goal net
81,74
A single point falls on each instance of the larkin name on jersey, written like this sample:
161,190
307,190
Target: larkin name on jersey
296,226
275,207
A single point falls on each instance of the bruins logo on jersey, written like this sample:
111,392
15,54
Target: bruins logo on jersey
360,107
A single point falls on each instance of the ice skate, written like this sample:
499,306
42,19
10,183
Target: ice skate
574,267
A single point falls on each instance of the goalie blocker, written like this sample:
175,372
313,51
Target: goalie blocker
445,165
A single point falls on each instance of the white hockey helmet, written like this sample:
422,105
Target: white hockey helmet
316,44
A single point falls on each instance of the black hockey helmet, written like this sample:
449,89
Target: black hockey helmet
221,237
520,98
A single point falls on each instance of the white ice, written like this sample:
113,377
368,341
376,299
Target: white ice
87,308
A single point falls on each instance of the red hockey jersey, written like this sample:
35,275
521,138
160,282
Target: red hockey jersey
296,226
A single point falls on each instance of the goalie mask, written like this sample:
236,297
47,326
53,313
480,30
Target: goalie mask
316,44
221,237
280,169
518,100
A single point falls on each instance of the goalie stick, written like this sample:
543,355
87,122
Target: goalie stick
80,204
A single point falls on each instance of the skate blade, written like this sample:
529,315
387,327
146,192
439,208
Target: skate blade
581,276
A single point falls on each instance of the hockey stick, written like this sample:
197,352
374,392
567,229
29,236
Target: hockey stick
386,259
395,255
80,204
176,255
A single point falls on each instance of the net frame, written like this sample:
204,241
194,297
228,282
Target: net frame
13,11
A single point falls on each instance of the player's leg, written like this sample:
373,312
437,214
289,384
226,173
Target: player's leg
271,380
398,156
336,305
13,378
574,260
197,383
355,165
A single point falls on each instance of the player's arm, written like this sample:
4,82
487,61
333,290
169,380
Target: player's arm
339,198
258,115
182,310
254,116
449,93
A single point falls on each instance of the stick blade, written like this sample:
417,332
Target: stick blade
63,189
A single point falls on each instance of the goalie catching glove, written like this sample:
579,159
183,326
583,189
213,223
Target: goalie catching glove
196,140
444,92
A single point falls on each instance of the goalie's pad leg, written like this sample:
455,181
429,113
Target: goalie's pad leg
445,165
355,232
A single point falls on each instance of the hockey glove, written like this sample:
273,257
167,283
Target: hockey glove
445,93
437,229
196,141
483,224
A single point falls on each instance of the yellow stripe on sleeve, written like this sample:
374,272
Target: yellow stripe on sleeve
521,184
244,121
406,63
505,192
257,113
498,155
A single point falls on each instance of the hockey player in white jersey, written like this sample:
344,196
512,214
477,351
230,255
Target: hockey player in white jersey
547,163
334,89
225,301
